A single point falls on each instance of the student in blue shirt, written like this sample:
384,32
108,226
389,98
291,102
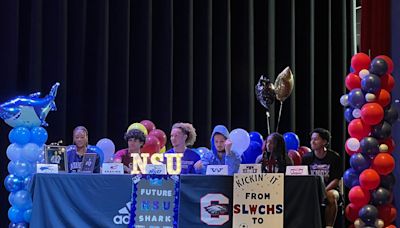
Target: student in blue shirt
183,135
220,153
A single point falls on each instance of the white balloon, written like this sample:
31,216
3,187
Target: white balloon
379,223
383,148
108,148
240,140
356,113
358,223
353,144
344,100
363,73
369,97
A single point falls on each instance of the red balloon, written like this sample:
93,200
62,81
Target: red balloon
387,213
387,82
303,150
359,197
353,81
383,163
383,98
372,113
390,143
295,156
369,179
359,62
161,136
151,146
148,125
358,129
389,62
351,212
390,226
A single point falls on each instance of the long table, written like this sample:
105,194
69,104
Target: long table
95,200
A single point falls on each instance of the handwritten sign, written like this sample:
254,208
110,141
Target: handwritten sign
258,200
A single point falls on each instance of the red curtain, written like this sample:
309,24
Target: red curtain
375,27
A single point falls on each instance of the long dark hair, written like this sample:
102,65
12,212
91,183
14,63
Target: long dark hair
279,150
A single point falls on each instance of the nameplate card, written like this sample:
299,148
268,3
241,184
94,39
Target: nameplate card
297,170
156,169
217,170
112,168
250,168
46,168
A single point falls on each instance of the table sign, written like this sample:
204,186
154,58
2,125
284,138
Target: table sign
46,168
217,170
250,168
112,168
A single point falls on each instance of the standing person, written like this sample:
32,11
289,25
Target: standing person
274,158
327,164
75,154
183,135
135,140
220,153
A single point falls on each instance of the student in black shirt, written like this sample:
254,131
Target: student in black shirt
325,163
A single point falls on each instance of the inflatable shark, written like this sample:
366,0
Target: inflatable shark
29,111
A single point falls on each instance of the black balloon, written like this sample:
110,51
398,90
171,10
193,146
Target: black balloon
391,115
368,214
265,92
382,130
381,196
388,181
378,66
369,146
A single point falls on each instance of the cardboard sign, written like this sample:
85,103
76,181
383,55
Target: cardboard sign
297,170
217,170
112,168
258,200
46,168
250,168
156,169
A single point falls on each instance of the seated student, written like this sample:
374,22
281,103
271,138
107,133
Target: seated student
75,154
220,153
274,158
135,139
183,135
326,163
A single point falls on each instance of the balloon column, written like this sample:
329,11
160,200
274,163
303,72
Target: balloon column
26,114
370,116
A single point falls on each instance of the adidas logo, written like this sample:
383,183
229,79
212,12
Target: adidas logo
124,215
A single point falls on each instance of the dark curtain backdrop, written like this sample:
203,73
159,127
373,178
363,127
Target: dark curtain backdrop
198,61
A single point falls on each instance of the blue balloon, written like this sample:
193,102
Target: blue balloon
13,183
29,111
369,146
348,114
11,167
371,83
11,197
378,66
255,136
31,152
251,154
19,135
356,98
39,135
359,162
202,150
350,178
15,215
23,169
22,200
98,151
291,140
18,225
368,214
27,215
27,182
14,152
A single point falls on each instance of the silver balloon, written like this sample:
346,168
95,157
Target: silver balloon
284,84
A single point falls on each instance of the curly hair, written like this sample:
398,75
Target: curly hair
188,130
323,133
135,134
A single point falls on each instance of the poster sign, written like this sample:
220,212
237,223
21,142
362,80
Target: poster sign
155,201
258,200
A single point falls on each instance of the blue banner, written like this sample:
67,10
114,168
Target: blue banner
155,201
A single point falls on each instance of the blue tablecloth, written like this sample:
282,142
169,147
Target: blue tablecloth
95,200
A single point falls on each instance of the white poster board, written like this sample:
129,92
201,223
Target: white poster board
258,200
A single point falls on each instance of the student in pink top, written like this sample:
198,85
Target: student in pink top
135,139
